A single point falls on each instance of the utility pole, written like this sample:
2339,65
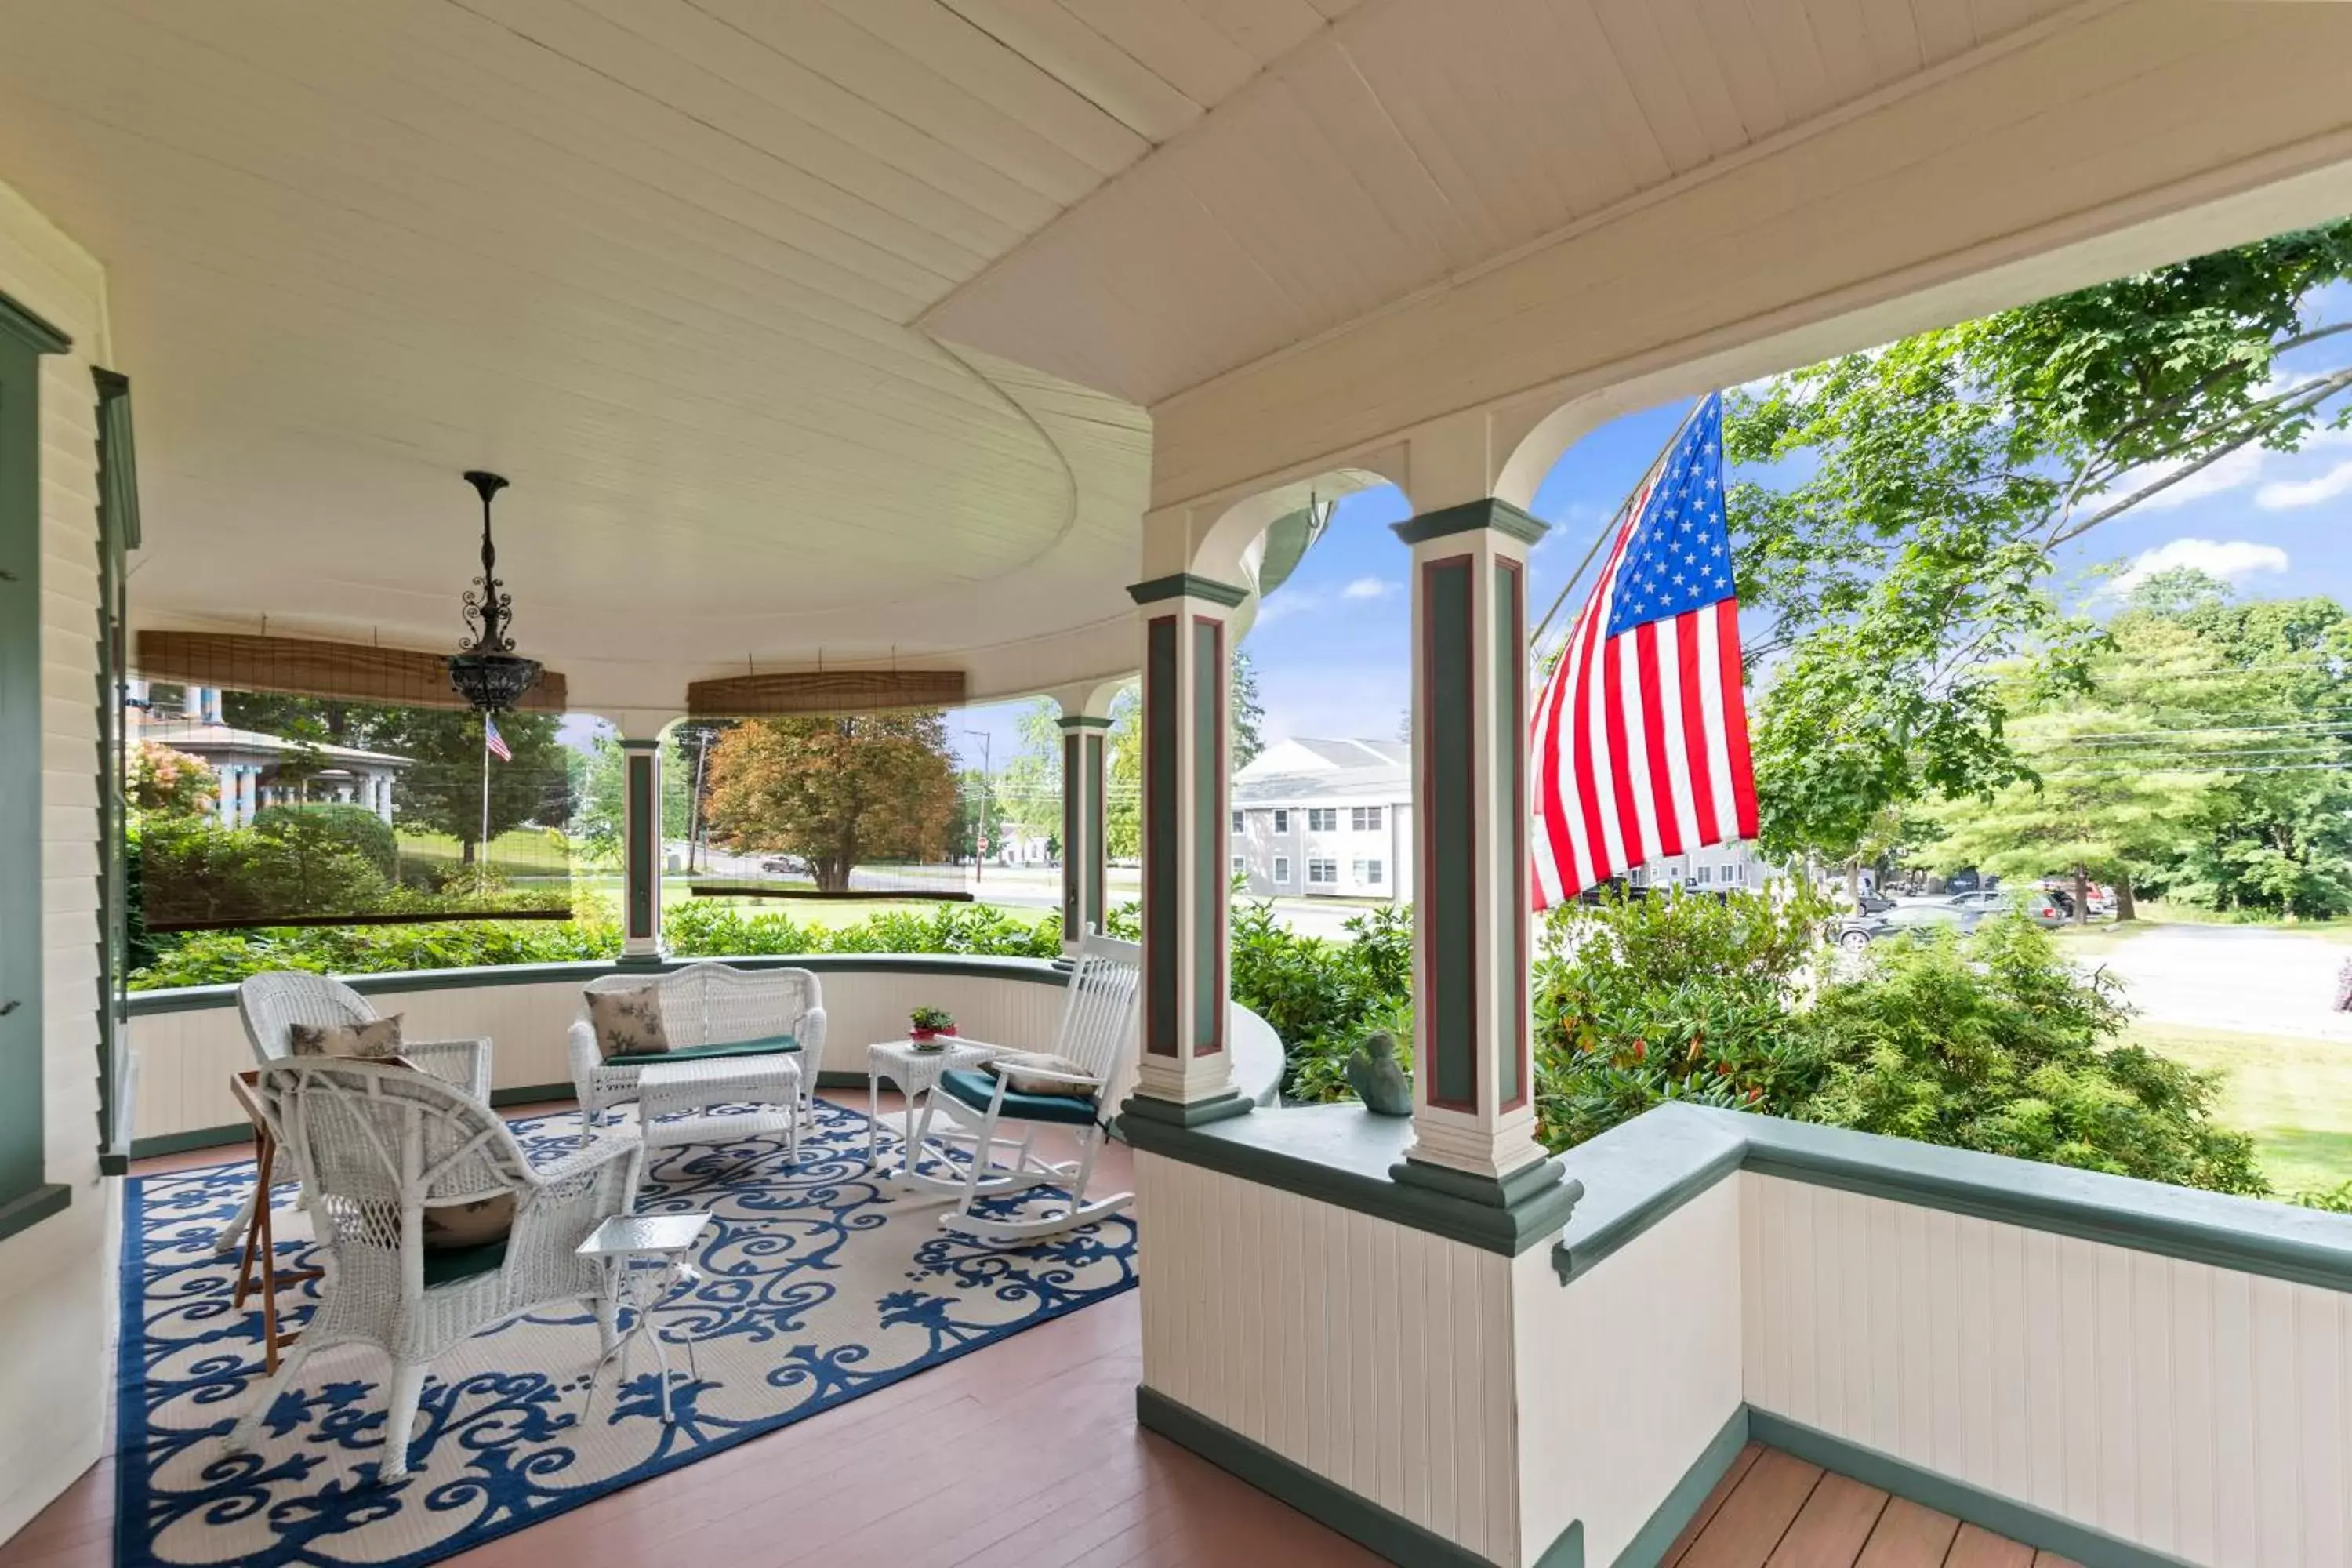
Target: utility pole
980,834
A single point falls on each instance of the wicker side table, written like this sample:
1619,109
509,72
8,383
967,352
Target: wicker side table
916,1072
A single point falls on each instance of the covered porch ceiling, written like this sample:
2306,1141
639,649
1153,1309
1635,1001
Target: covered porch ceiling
827,330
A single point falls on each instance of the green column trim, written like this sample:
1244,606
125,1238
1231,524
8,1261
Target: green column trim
1073,844
643,852
1448,832
1093,909
1506,762
26,1196
118,535
1344,1155
1162,977
1209,842
1185,585
29,330
1391,1535
1469,518
1083,721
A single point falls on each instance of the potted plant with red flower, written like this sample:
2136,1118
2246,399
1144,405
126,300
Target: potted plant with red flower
929,1026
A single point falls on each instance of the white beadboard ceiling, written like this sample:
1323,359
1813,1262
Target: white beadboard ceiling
1417,141
654,259
687,269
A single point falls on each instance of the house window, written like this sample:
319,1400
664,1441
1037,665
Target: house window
1364,818
1322,873
1281,865
1368,873
1281,820
1237,822
1706,873
1322,819
1735,873
1241,867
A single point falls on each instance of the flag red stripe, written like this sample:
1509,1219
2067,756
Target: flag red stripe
1653,736
1701,778
1548,783
1588,792
1621,760
1734,715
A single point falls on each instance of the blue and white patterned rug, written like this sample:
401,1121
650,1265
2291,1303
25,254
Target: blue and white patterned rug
820,1285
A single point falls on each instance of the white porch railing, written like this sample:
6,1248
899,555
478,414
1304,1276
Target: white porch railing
185,1043
2117,1371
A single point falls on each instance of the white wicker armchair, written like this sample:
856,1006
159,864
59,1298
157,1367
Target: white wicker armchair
374,1144
272,1003
707,1009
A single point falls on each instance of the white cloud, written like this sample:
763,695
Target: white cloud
1368,588
2231,561
2288,493
1285,603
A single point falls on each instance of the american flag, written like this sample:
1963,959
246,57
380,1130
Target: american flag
494,743
1640,734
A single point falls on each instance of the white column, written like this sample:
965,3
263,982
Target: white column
192,703
248,789
1474,1102
1185,1073
641,851
383,796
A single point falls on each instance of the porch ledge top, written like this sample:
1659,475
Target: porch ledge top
1344,1155
1035,970
1636,1175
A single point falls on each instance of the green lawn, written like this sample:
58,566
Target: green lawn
2294,1095
524,849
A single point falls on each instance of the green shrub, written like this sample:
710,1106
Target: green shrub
354,828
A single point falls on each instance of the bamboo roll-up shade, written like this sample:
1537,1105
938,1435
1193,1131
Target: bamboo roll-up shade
302,667
823,692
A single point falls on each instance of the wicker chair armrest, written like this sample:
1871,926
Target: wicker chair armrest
600,1151
812,1039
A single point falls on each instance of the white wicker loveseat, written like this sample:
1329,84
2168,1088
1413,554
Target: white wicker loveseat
707,1010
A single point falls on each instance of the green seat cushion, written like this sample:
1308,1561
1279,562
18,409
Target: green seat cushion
447,1265
769,1046
976,1089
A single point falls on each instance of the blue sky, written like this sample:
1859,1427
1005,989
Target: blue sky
1330,645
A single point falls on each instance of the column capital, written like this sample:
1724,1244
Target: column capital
639,743
1071,723
1185,585
1471,517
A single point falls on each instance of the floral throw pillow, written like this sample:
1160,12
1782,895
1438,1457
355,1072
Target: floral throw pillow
1007,1065
377,1040
628,1023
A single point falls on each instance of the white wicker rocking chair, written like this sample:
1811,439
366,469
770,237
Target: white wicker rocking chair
1096,1033
270,1004
376,1143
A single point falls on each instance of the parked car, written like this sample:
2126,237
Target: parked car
1858,932
2036,904
784,866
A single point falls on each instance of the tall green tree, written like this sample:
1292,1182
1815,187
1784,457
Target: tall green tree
836,790
1895,521
601,795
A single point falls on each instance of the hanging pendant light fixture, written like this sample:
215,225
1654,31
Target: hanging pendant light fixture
487,672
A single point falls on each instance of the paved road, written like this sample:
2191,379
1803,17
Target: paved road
2249,978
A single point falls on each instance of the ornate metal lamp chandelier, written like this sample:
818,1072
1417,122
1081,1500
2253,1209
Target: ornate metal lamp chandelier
487,672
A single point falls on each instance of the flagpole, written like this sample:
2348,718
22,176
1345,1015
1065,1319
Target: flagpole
482,844
1615,522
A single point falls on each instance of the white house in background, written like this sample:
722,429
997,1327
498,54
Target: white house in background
244,763
1327,818
1711,869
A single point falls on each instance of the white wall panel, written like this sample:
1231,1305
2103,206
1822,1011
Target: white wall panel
1375,1355
57,1278
2192,1410
1627,1372
185,1058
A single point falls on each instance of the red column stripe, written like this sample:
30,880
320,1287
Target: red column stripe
1653,738
1734,715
